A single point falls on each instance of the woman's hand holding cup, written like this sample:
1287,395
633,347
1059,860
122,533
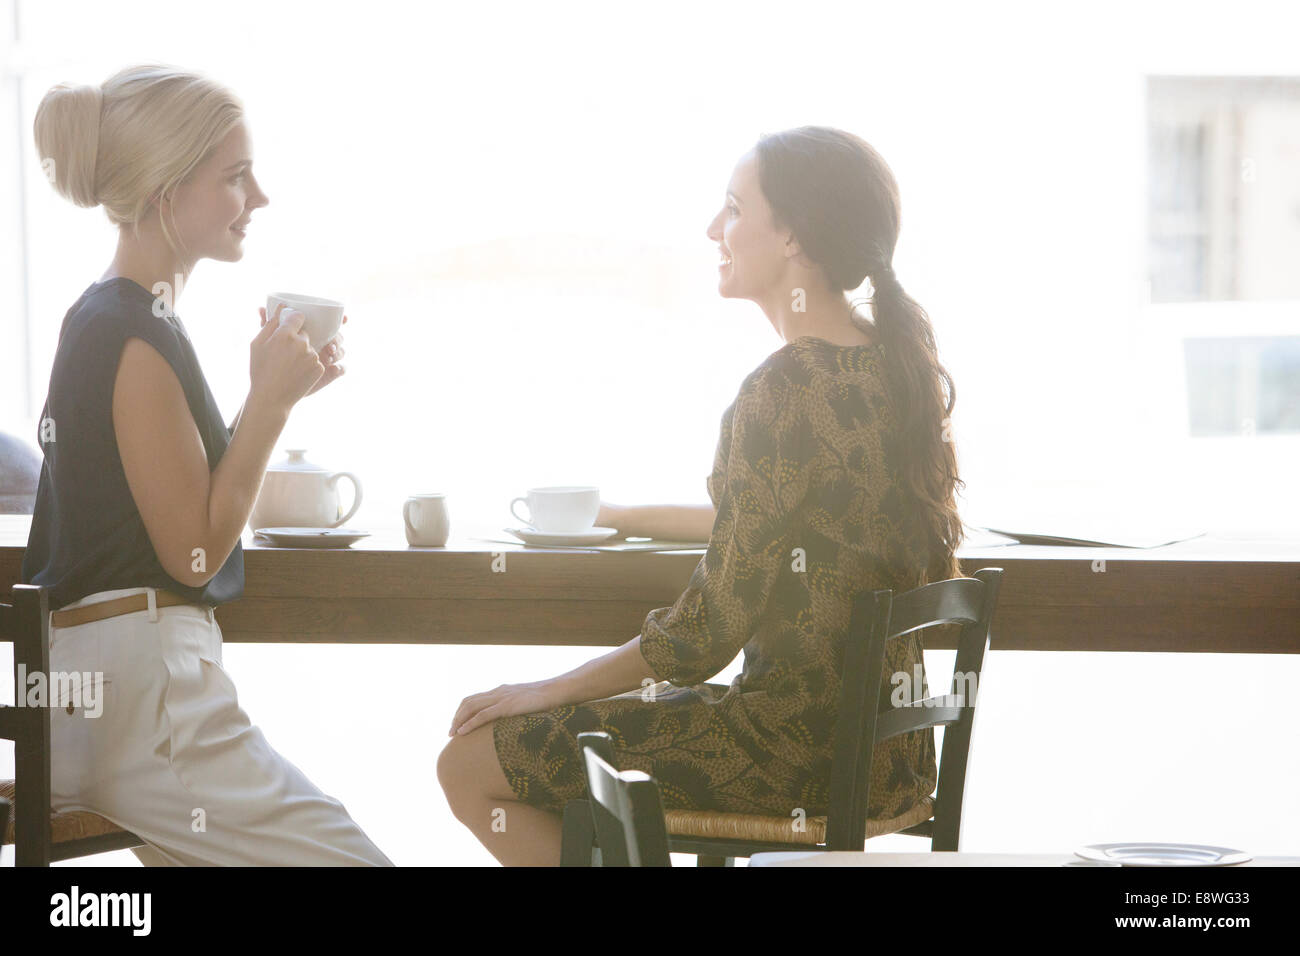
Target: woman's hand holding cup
283,366
330,354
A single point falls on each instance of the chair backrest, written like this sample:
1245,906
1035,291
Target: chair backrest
625,806
26,624
879,617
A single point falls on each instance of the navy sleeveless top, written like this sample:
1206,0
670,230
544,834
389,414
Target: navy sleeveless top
87,534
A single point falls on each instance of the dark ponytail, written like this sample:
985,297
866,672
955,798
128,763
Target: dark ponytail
840,199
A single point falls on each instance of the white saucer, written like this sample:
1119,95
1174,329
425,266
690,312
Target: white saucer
311,537
1162,854
558,539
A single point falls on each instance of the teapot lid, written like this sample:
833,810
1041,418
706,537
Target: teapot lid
296,462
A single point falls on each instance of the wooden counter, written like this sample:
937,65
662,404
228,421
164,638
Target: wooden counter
1207,594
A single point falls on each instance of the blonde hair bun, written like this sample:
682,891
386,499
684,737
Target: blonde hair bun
67,140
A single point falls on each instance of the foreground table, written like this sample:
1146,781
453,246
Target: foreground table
943,858
1206,594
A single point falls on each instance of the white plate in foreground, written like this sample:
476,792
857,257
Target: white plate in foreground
563,539
1162,854
312,537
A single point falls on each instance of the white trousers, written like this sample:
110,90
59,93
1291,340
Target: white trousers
172,757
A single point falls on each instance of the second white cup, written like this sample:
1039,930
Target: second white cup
559,508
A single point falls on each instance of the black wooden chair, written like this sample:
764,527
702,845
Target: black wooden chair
878,617
39,835
625,807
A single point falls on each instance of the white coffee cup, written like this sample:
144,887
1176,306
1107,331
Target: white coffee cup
560,508
426,519
321,317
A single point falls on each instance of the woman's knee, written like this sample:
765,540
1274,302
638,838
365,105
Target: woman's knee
451,768
466,768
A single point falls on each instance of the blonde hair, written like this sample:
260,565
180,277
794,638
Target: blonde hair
133,139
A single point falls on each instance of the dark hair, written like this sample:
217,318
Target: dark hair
839,198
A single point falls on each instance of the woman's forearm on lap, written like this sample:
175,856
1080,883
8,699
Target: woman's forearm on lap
621,670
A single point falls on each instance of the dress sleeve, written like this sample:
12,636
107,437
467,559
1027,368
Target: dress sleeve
768,473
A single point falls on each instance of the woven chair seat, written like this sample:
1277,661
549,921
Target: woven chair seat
746,826
64,826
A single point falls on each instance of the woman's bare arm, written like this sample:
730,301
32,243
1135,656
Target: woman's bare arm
194,515
666,522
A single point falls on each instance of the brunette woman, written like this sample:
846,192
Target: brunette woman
833,475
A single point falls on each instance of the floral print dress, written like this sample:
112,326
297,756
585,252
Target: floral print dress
809,514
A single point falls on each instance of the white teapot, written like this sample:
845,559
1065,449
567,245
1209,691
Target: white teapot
298,494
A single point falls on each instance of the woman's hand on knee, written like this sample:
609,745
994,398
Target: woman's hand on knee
504,701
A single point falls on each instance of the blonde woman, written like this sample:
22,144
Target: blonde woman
144,491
